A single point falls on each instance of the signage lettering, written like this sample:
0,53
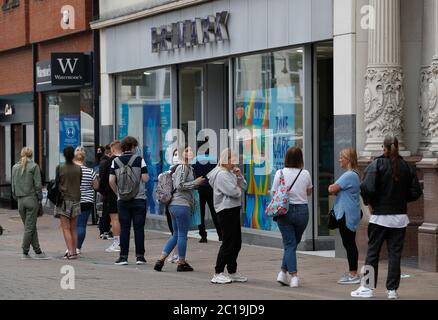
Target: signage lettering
68,69
190,33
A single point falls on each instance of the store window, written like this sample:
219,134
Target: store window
69,121
269,98
144,112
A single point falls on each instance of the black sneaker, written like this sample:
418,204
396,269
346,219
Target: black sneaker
158,265
203,240
121,261
184,267
141,260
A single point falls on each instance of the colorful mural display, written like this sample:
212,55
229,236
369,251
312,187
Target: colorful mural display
265,109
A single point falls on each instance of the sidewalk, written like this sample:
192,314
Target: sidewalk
98,278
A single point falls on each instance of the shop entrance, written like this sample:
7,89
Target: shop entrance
13,137
203,96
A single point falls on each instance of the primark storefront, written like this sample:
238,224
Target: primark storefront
229,65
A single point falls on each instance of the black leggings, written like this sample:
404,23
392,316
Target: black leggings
349,242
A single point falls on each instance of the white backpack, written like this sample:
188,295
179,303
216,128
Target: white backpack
164,190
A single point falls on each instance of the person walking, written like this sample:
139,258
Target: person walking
203,166
294,222
347,211
109,197
388,185
89,183
228,183
181,207
69,177
26,190
127,178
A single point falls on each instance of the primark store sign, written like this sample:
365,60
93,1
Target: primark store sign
190,33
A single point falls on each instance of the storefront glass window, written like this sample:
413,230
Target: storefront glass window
69,121
143,111
268,97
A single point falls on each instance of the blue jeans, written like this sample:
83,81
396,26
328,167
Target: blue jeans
82,224
292,226
180,223
132,211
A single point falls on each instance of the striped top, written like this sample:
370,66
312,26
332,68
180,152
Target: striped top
87,191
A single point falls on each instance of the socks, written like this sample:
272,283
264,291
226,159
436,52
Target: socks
117,239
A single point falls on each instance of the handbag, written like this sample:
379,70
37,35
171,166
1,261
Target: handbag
40,209
332,222
279,204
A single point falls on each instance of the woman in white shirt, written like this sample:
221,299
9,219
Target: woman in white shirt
293,224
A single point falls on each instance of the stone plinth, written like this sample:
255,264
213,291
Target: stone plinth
428,230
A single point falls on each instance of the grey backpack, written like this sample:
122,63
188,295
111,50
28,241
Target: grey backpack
164,190
128,180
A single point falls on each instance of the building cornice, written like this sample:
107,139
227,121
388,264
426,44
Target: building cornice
101,24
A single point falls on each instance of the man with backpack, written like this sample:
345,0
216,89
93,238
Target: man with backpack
127,178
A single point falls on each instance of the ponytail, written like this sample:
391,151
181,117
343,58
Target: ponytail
26,153
391,152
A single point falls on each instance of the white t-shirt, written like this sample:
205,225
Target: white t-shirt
391,221
298,193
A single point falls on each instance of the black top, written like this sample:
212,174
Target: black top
385,194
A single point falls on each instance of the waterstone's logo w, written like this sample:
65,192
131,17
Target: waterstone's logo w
68,64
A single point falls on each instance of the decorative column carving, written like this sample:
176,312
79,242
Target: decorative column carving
384,96
433,89
427,52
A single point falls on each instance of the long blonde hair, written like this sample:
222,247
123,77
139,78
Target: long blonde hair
26,153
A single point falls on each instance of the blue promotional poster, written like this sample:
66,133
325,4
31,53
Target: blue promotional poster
69,131
124,121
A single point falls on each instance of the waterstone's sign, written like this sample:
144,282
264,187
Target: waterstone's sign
190,33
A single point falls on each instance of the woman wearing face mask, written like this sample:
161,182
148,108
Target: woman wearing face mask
181,208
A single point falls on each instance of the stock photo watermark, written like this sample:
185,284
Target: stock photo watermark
68,17
68,280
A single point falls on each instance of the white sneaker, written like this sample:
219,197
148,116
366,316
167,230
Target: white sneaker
78,251
294,282
362,292
221,278
347,278
237,277
282,278
114,247
392,294
172,258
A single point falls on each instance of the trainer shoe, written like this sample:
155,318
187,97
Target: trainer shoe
237,277
392,294
121,261
282,278
140,260
184,267
158,265
362,292
221,278
294,282
41,256
114,247
347,278
26,256
172,258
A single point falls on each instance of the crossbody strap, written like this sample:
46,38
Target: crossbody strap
288,190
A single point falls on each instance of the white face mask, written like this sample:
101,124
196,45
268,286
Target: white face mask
175,159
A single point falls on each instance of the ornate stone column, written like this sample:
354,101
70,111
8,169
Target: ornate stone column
384,97
427,52
428,231
433,89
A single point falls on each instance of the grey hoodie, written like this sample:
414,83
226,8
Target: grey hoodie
184,185
227,188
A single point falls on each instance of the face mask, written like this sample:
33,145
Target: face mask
175,159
